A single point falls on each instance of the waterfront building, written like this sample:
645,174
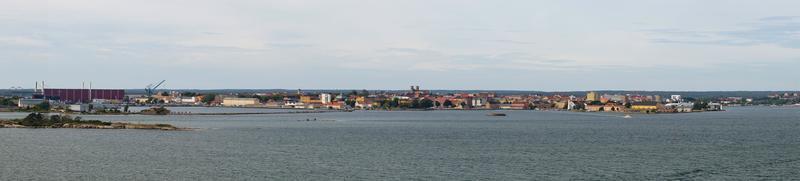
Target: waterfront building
189,100
310,99
714,107
236,102
274,104
141,100
679,107
79,107
83,95
594,108
613,107
562,105
644,106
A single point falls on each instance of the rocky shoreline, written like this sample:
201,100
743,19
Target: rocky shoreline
39,120
117,125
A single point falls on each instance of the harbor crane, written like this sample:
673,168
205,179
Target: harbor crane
151,89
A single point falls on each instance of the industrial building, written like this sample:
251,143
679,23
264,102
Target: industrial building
83,95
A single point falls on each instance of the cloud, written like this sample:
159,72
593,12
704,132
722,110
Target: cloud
779,18
431,60
512,42
779,30
23,41
405,41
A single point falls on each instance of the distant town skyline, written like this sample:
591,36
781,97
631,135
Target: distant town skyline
679,45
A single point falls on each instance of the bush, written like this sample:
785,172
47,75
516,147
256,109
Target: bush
39,120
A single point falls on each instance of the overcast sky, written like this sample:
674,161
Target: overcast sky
384,44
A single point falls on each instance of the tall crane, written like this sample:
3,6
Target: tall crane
151,89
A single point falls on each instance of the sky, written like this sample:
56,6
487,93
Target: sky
565,45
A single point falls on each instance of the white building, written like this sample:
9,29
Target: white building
23,102
681,107
189,100
478,102
714,107
676,98
79,107
571,105
325,98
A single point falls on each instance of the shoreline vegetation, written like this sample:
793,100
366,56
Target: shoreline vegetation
40,120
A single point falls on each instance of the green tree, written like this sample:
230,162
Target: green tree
352,93
415,104
448,103
7,101
189,94
426,103
209,98
394,103
44,106
700,106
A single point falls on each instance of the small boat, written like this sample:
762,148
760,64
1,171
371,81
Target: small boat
496,114
627,116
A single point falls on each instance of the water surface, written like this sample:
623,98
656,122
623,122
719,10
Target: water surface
742,143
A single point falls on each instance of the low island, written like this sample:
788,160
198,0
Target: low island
39,120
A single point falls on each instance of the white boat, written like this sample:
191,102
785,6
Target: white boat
627,116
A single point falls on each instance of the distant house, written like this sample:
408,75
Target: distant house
613,107
644,106
311,99
594,108
561,104
335,105
141,100
679,107
714,107
189,100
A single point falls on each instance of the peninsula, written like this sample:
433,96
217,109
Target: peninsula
39,120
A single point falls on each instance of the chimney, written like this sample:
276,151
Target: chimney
90,92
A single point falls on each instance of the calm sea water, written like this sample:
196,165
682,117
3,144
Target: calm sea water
740,144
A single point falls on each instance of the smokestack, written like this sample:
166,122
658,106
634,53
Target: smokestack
90,92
